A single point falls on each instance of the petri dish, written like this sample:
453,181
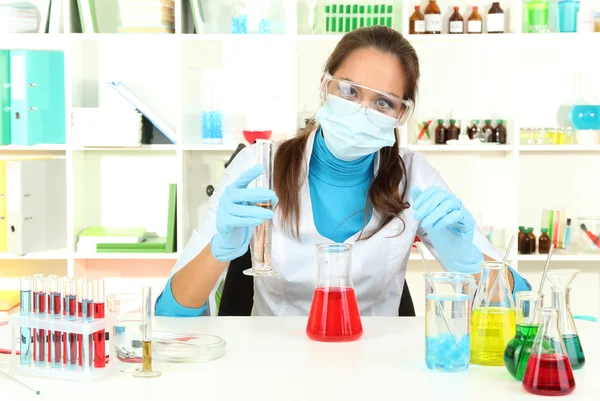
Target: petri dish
187,347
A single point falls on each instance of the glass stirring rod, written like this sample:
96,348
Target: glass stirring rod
37,392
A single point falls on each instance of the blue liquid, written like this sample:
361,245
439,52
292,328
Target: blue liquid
212,127
585,117
26,348
442,353
239,24
264,26
567,15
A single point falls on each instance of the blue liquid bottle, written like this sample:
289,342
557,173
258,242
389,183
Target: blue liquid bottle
567,15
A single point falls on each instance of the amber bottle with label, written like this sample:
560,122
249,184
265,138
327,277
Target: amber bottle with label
453,131
475,22
500,132
474,130
433,18
417,22
457,23
495,19
440,133
488,132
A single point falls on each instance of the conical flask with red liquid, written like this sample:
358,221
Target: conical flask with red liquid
549,370
334,314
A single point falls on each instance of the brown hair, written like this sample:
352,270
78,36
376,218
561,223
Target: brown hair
384,194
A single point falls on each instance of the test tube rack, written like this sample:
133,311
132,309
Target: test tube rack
65,326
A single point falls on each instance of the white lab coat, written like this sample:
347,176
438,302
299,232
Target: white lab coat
378,264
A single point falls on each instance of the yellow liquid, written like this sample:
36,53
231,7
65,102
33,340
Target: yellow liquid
491,330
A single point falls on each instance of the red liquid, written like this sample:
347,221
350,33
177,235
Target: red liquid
99,343
39,306
549,375
334,315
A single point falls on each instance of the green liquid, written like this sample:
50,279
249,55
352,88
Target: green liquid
574,350
516,354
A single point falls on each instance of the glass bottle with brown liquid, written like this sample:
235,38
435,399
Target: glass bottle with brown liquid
500,132
440,133
544,242
525,244
475,22
474,130
453,131
532,238
495,19
433,18
457,23
488,132
417,22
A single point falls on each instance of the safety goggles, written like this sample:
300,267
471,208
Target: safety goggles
374,102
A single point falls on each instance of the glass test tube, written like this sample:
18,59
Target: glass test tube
146,370
54,309
87,315
260,245
81,284
26,346
99,338
64,313
39,306
70,309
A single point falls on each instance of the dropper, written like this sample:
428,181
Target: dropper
438,305
504,260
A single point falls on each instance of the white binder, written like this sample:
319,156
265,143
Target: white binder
36,208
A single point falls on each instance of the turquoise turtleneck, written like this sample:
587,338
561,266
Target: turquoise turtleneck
338,191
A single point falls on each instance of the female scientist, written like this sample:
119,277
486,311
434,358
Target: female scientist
343,179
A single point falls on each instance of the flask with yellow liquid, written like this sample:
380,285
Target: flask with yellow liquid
493,318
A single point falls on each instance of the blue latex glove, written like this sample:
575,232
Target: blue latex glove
237,215
450,227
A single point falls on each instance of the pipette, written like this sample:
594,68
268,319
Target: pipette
146,370
504,260
438,305
37,392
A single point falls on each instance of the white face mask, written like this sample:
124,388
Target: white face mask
352,136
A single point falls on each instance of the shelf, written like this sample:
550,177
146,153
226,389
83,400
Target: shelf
461,148
211,148
34,148
559,148
58,254
127,149
127,255
557,257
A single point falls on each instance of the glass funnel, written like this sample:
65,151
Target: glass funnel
334,314
448,321
548,369
516,354
560,294
260,244
493,318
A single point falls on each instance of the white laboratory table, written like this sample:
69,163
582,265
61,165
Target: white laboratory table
270,358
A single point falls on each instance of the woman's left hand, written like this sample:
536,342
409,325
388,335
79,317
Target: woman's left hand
450,227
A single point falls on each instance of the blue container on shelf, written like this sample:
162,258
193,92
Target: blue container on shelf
212,127
567,15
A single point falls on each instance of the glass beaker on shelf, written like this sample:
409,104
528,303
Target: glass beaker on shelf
493,319
239,19
516,354
211,119
448,321
567,15
561,300
334,314
548,370
537,16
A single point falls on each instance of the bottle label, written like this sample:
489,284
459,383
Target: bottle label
495,22
474,26
419,26
433,23
456,27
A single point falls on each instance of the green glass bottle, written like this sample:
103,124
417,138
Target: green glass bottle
516,354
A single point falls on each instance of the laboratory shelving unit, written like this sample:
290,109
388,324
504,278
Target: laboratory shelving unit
519,77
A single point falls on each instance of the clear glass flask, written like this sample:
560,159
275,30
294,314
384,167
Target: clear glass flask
560,294
448,321
516,354
260,244
548,370
493,318
334,314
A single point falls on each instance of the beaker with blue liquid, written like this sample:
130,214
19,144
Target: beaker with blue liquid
567,15
448,321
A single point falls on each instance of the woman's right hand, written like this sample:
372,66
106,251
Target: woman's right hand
237,215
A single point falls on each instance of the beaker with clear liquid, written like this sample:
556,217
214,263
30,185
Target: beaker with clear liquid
448,320
493,318
260,244
561,300
516,354
334,315
127,333
548,370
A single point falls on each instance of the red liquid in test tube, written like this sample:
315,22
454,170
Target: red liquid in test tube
99,338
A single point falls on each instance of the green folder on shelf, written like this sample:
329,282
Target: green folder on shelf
151,244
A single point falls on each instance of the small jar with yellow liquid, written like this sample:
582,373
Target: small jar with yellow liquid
493,318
